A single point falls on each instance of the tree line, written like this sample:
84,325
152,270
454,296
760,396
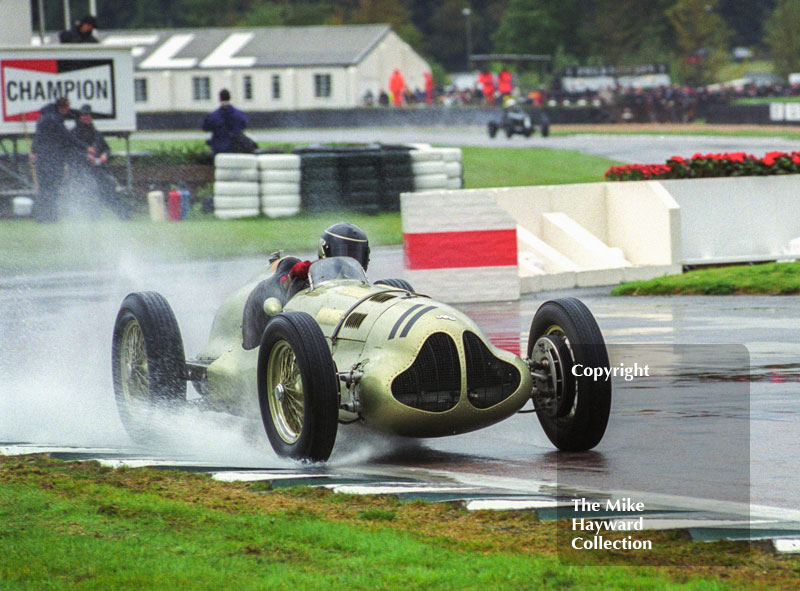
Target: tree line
693,36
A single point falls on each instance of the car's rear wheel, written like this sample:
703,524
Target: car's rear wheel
573,410
297,388
398,283
509,131
148,363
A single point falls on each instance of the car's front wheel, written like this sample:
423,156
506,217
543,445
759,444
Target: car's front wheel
492,129
573,410
148,363
297,388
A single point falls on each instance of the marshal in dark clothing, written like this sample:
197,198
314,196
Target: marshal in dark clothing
53,147
83,32
226,124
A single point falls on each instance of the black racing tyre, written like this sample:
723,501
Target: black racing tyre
492,129
298,390
580,426
528,132
545,129
148,362
372,185
509,130
398,283
362,173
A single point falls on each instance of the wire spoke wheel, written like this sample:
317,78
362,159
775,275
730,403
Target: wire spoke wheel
148,364
133,364
285,392
298,390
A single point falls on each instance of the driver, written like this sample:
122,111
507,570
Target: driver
291,276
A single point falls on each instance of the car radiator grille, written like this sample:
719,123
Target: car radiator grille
489,380
433,382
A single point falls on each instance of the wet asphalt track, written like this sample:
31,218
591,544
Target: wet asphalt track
624,148
704,425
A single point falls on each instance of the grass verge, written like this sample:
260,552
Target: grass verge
79,245
765,279
82,526
514,167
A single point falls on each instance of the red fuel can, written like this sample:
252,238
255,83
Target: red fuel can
174,205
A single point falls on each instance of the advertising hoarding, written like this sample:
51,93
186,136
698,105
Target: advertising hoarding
31,78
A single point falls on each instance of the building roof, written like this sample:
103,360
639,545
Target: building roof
181,49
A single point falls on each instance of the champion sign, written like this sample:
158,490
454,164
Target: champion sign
30,84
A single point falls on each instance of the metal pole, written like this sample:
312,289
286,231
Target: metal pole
467,12
67,18
93,7
41,21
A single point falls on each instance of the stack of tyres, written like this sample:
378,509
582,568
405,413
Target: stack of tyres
453,167
321,183
360,173
429,169
397,177
279,175
236,186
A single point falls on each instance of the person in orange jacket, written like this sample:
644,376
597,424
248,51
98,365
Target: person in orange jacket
428,88
486,80
397,85
504,82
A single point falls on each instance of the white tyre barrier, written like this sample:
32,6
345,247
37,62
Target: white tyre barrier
278,161
281,212
236,188
280,188
425,182
227,202
453,169
235,161
279,201
249,175
454,182
230,214
280,175
450,154
425,155
428,167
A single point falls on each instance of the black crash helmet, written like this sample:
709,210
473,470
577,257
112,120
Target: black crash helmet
345,240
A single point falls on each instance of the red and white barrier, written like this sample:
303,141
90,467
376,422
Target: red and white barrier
459,246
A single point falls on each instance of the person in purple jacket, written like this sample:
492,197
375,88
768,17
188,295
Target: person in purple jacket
226,124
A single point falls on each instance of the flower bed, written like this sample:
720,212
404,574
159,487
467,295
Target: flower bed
708,166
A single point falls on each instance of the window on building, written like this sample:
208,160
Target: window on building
201,88
140,90
247,90
322,85
276,86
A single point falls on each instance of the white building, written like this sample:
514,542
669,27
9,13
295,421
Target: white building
265,68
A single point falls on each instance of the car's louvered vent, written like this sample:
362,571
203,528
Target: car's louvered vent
433,382
383,297
354,320
489,380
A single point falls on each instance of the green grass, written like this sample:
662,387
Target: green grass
768,279
81,245
84,527
766,100
513,167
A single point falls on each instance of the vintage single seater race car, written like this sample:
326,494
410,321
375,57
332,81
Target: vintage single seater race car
342,350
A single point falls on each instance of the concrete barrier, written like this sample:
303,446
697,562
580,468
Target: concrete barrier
566,236
459,246
740,219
